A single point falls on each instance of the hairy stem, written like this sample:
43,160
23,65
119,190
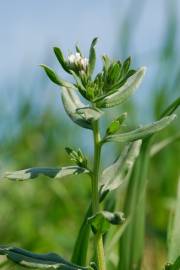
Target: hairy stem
95,195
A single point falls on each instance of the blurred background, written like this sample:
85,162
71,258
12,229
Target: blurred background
45,215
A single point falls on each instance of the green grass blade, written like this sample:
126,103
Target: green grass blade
174,241
81,245
158,147
171,108
132,241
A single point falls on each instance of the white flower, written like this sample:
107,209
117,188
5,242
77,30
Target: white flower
79,61
71,58
84,63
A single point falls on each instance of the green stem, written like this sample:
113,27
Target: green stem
95,195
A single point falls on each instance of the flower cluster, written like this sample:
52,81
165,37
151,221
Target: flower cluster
113,76
78,61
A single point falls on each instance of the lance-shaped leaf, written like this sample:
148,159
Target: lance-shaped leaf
55,78
77,111
61,59
92,56
38,261
55,173
171,108
124,92
141,132
120,170
101,222
126,65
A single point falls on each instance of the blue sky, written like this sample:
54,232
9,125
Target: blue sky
30,28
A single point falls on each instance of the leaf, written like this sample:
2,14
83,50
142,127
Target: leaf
78,50
38,261
55,78
79,83
61,59
77,156
132,241
92,56
174,266
81,244
116,124
158,147
141,132
120,170
126,65
174,241
113,238
77,111
101,222
124,92
92,114
107,62
114,72
55,173
171,108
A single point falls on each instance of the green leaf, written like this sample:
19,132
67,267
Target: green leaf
92,114
31,260
101,222
131,246
171,108
124,92
55,173
55,78
141,132
80,249
113,176
116,124
77,111
126,65
174,266
61,59
79,84
113,72
107,62
77,156
158,147
174,235
92,56
78,50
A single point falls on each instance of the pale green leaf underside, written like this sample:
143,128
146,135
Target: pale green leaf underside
124,91
141,132
55,173
77,111
114,175
31,260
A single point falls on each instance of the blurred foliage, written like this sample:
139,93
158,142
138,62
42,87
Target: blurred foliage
44,215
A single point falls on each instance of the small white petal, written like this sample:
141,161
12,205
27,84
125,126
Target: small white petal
71,58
